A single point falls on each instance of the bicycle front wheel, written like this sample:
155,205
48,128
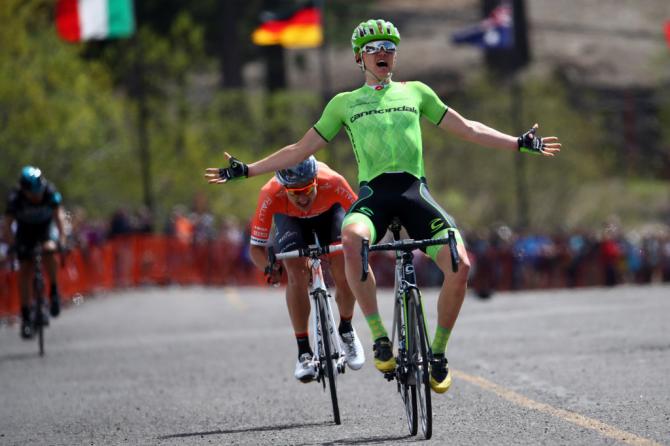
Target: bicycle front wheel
406,385
420,365
39,325
328,359
38,319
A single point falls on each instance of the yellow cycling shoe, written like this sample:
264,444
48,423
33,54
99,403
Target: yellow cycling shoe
440,378
383,354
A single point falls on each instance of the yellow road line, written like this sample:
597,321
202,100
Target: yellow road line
233,296
571,417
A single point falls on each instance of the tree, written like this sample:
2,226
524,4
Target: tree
57,111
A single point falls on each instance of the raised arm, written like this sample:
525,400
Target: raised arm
288,156
478,133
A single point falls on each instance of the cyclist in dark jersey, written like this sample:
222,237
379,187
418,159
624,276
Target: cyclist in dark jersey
36,207
382,120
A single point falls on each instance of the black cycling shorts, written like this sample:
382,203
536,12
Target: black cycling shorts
29,236
404,196
295,232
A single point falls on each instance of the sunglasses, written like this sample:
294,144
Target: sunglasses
304,190
378,45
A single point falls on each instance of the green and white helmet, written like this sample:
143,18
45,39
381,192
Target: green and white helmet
373,30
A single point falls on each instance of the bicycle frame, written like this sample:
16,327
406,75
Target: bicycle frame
37,290
329,356
405,280
414,352
321,298
38,287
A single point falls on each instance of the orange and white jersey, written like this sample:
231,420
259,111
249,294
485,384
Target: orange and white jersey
331,189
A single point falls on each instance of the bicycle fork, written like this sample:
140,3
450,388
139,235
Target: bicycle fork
321,299
405,306
404,274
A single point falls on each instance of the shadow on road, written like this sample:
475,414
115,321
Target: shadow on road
368,440
280,427
20,356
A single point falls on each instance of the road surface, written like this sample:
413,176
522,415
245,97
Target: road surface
169,366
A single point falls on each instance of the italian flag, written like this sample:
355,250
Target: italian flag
79,20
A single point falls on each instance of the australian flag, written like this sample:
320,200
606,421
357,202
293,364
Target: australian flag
494,32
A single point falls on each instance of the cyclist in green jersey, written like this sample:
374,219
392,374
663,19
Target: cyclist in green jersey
382,120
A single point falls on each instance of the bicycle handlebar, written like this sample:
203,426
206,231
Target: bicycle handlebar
365,249
12,253
408,245
310,251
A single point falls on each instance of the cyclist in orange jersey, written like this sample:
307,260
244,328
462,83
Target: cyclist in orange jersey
299,200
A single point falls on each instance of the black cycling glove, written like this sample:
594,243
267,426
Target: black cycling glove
273,273
530,143
236,171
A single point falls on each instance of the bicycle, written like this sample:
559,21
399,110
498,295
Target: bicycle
414,354
329,356
38,321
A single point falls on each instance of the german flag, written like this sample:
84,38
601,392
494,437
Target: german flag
299,28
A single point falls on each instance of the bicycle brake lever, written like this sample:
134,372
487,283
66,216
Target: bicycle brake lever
365,249
455,260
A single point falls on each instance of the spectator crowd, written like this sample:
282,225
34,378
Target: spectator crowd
501,258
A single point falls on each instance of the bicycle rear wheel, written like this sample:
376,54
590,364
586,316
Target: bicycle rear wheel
331,367
403,376
420,365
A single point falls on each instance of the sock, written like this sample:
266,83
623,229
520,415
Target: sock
303,343
345,325
439,346
376,326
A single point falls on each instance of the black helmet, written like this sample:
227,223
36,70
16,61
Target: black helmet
32,180
301,173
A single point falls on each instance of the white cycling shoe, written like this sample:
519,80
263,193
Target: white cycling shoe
305,370
353,350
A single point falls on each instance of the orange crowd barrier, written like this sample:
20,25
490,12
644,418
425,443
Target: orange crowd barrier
138,260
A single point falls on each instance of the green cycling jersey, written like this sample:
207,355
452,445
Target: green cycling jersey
383,125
